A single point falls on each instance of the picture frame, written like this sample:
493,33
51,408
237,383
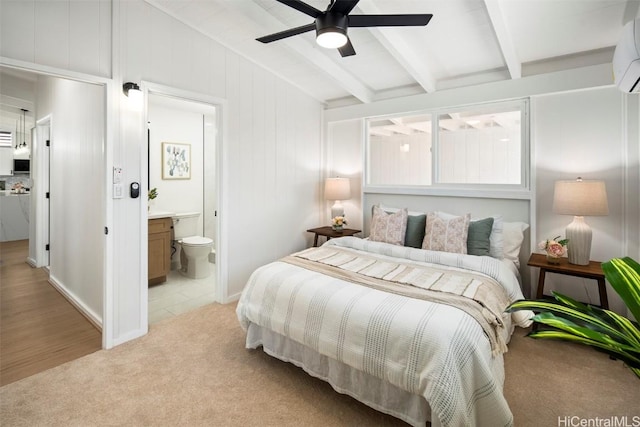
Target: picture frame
176,160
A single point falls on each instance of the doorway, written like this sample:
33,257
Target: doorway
66,163
188,195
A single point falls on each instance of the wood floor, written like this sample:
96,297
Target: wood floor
39,328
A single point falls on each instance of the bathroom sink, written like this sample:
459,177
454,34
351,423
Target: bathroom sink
160,214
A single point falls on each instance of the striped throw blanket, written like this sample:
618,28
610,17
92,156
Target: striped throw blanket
478,295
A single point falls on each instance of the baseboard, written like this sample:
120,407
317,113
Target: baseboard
232,298
32,262
84,310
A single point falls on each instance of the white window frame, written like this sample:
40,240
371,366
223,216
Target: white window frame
510,191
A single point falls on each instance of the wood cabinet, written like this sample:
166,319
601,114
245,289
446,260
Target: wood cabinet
159,249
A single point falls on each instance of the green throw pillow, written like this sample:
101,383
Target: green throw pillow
478,237
415,231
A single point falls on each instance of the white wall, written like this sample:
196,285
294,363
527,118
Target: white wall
584,134
271,147
576,129
345,152
76,226
70,35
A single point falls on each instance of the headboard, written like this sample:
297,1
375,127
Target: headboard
510,209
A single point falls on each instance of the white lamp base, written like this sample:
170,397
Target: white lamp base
337,209
579,245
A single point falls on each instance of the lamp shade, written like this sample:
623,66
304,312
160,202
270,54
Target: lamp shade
337,189
580,198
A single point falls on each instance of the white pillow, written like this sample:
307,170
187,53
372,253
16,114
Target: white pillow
496,239
446,234
513,234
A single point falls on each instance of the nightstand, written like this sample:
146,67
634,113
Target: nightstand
329,232
591,271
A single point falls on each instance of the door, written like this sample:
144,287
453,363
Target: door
41,171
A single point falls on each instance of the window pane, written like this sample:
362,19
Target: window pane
480,146
6,138
400,151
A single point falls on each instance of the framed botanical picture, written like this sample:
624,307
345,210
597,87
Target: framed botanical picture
176,161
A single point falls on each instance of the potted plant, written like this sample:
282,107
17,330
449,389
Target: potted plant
152,194
585,324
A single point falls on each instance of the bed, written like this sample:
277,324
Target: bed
415,332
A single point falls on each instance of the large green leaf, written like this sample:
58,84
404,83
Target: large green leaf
625,344
624,276
631,360
586,319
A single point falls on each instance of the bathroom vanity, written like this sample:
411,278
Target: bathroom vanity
160,236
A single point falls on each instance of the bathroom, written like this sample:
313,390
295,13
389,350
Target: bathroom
187,192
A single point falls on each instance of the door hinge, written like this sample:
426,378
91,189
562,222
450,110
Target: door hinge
46,248
47,195
215,213
106,230
48,142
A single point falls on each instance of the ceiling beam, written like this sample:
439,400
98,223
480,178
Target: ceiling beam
306,50
504,38
392,39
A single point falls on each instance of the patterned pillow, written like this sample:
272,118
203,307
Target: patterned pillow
388,227
446,235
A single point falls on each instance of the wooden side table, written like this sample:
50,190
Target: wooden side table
591,271
329,232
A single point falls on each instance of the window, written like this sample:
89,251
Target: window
482,146
400,151
6,138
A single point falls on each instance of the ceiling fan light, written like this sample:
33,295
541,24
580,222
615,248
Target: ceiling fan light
331,38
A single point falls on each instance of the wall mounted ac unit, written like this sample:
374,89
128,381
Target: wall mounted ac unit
626,58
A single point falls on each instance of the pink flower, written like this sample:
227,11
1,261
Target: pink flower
555,249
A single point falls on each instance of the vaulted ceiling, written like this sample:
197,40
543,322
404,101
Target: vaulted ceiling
467,42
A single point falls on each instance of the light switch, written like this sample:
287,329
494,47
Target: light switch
118,192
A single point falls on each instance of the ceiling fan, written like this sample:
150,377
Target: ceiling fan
331,25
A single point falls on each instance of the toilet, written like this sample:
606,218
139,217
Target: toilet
194,249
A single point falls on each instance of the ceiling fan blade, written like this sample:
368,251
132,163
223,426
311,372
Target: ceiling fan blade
389,20
302,7
287,33
347,49
343,6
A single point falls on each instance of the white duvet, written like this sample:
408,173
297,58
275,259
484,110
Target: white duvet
433,350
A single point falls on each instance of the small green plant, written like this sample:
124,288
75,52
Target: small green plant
585,324
153,193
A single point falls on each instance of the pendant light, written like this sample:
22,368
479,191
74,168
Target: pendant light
23,147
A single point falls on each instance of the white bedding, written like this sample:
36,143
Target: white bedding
427,349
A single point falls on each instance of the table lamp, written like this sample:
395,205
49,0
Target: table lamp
580,198
337,189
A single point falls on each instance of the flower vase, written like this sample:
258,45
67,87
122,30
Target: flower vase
336,227
553,259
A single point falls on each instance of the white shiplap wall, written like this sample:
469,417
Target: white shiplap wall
580,125
70,35
76,184
271,151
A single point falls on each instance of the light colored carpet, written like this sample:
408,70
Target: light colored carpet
193,370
